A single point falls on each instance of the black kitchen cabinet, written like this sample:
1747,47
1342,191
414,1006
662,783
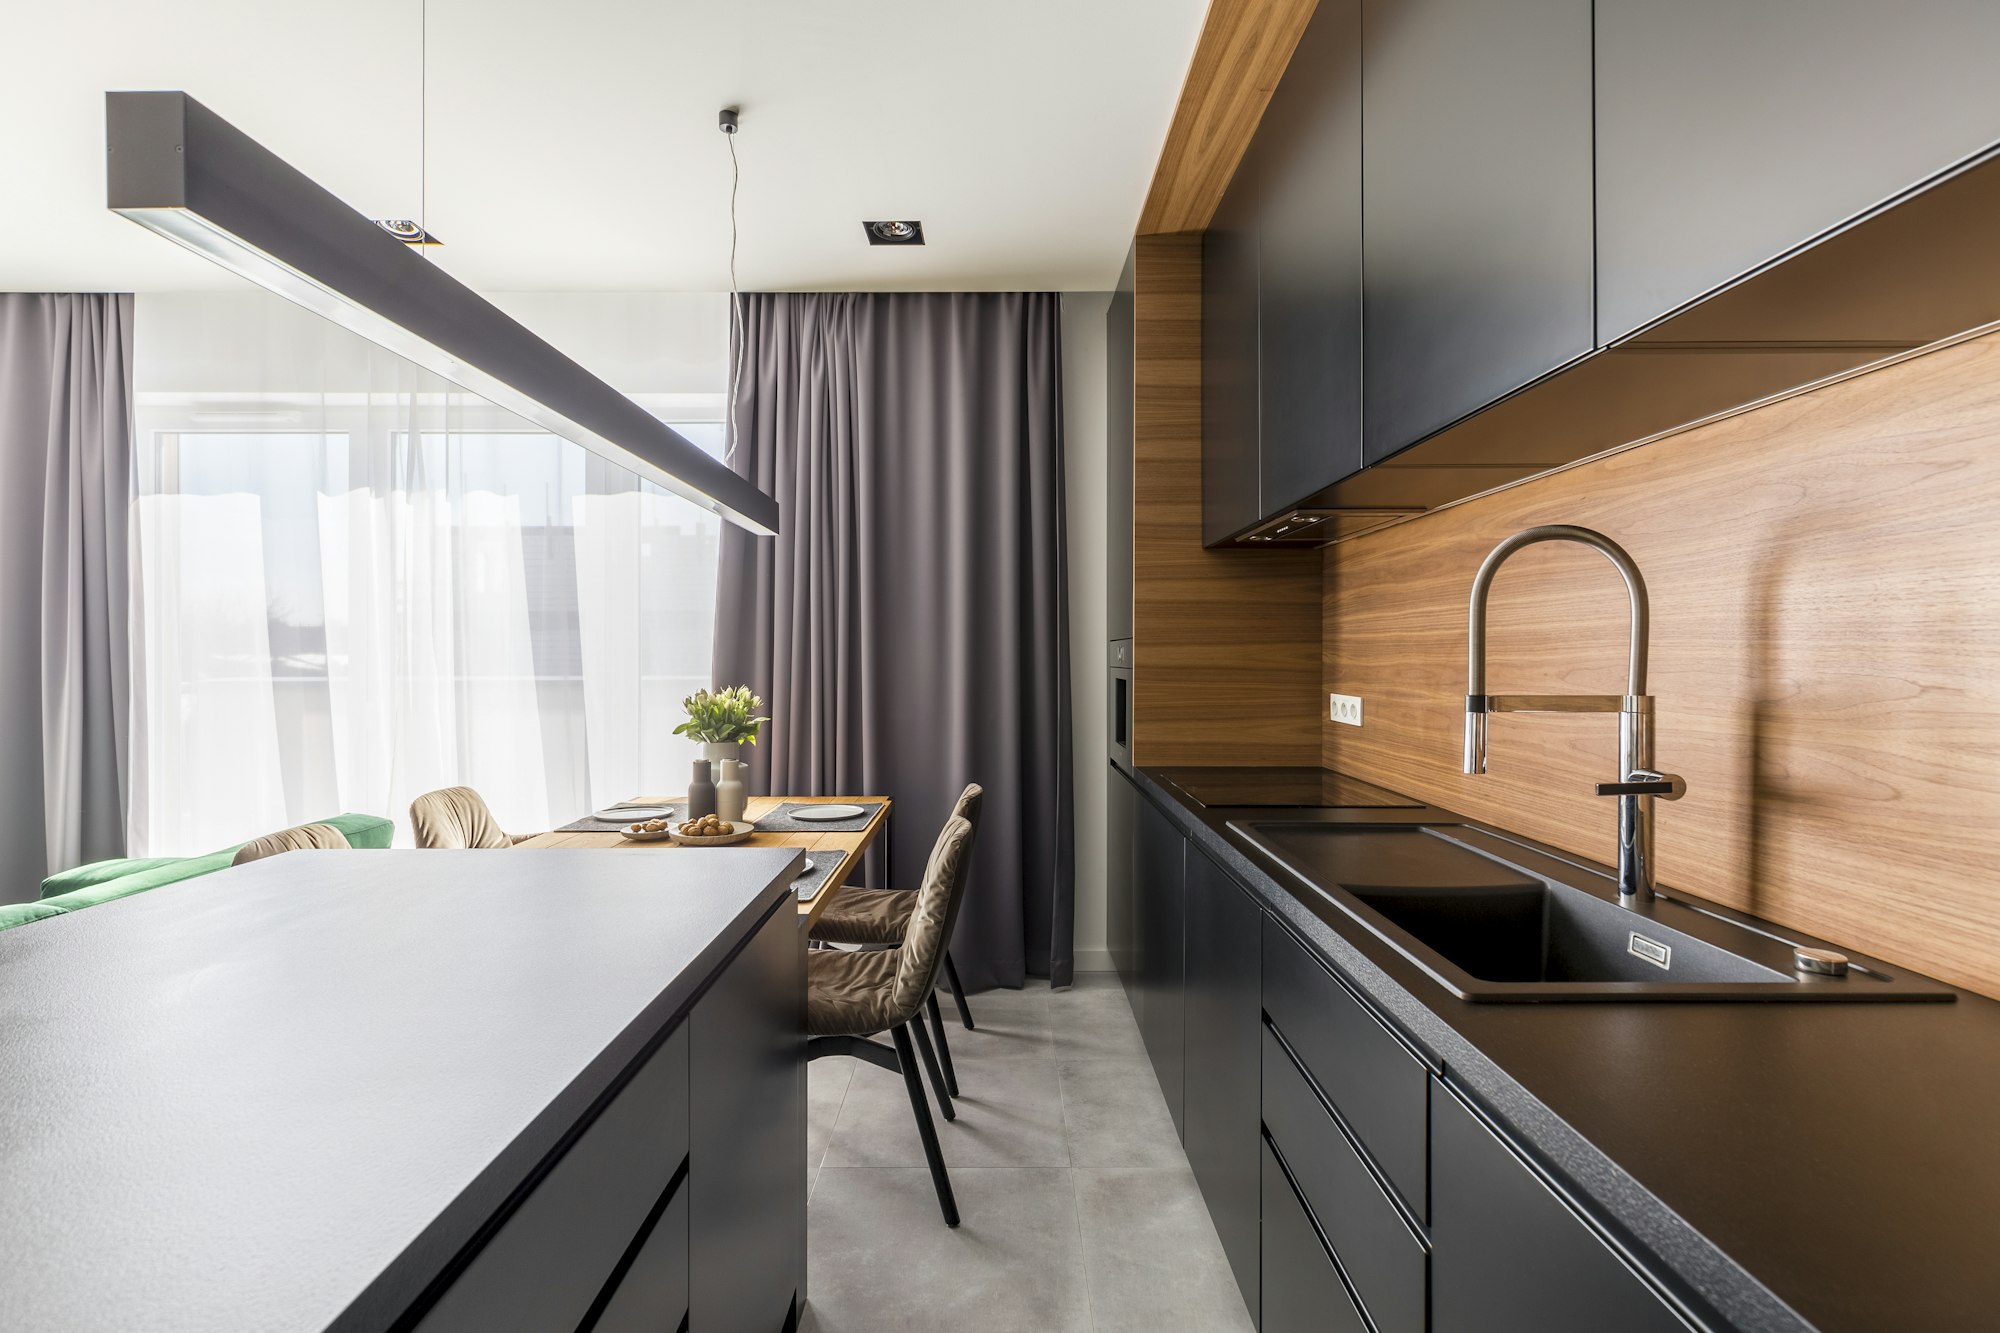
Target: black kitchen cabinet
1223,1018
1303,1292
747,1136
1729,133
1121,852
1230,486
1476,206
1309,265
1281,293
1157,1003
1509,1256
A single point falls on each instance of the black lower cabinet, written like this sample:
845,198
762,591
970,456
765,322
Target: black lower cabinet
1303,1292
1160,871
652,1295
1509,1256
1222,1016
747,1136
1121,833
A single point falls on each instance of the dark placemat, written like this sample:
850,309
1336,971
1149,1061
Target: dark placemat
818,876
589,825
781,821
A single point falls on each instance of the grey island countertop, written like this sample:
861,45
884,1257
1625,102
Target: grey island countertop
284,1096
1786,1167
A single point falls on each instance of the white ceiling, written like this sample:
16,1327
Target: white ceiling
572,143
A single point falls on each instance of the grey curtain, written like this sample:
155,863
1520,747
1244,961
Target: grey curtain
908,627
65,496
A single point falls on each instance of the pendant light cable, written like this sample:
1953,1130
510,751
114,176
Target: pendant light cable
728,122
424,126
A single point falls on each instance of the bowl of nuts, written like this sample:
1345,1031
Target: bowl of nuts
708,831
647,830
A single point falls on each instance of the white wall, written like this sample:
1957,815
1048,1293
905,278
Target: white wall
1084,467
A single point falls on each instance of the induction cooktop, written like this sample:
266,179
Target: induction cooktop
1282,788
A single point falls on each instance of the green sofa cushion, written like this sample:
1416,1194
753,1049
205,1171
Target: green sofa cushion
98,872
127,877
20,914
364,830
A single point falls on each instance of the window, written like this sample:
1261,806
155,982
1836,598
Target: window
348,599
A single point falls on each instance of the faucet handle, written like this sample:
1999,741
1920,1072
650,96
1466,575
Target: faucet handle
1645,782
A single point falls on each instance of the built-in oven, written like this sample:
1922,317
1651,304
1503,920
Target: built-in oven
1121,703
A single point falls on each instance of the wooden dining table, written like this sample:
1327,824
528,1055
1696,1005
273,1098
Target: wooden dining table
855,842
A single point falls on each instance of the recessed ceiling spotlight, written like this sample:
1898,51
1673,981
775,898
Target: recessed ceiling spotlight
894,233
407,231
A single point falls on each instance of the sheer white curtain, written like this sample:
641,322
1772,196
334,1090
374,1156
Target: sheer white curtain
357,592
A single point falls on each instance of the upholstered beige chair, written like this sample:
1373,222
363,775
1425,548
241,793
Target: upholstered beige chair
457,817
321,837
851,995
880,917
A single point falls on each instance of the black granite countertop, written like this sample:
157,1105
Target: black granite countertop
1786,1166
285,1095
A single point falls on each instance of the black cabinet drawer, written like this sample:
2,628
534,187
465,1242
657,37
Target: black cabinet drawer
1378,1084
1302,1291
1383,1257
652,1296
1509,1256
546,1264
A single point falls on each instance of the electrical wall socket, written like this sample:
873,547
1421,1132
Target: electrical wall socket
1345,708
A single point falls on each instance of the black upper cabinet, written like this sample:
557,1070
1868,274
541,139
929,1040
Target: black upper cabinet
1476,202
1158,884
1309,264
1281,293
1229,365
1730,133
1224,1021
1508,1256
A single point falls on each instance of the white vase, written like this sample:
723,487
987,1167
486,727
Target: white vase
717,751
730,797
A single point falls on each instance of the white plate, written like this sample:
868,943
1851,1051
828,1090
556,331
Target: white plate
632,814
814,814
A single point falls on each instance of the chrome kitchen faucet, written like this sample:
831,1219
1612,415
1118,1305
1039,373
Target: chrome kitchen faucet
1638,781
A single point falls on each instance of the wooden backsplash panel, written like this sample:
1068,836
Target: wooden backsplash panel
1225,644
1825,580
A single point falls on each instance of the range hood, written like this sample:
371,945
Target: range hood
179,169
1920,270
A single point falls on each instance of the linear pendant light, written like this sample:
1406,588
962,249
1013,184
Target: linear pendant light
181,170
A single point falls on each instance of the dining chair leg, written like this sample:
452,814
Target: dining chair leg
916,1026
943,1046
933,1155
958,991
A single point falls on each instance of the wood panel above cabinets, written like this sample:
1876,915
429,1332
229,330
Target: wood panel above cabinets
1244,48
1580,226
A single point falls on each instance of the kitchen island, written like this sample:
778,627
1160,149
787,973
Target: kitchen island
436,1090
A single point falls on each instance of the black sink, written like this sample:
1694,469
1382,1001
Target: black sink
1486,918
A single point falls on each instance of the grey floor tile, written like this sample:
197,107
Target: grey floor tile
1009,1114
881,1259
1012,1026
826,1090
1113,1115
1154,1262
1094,1025
1096,981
